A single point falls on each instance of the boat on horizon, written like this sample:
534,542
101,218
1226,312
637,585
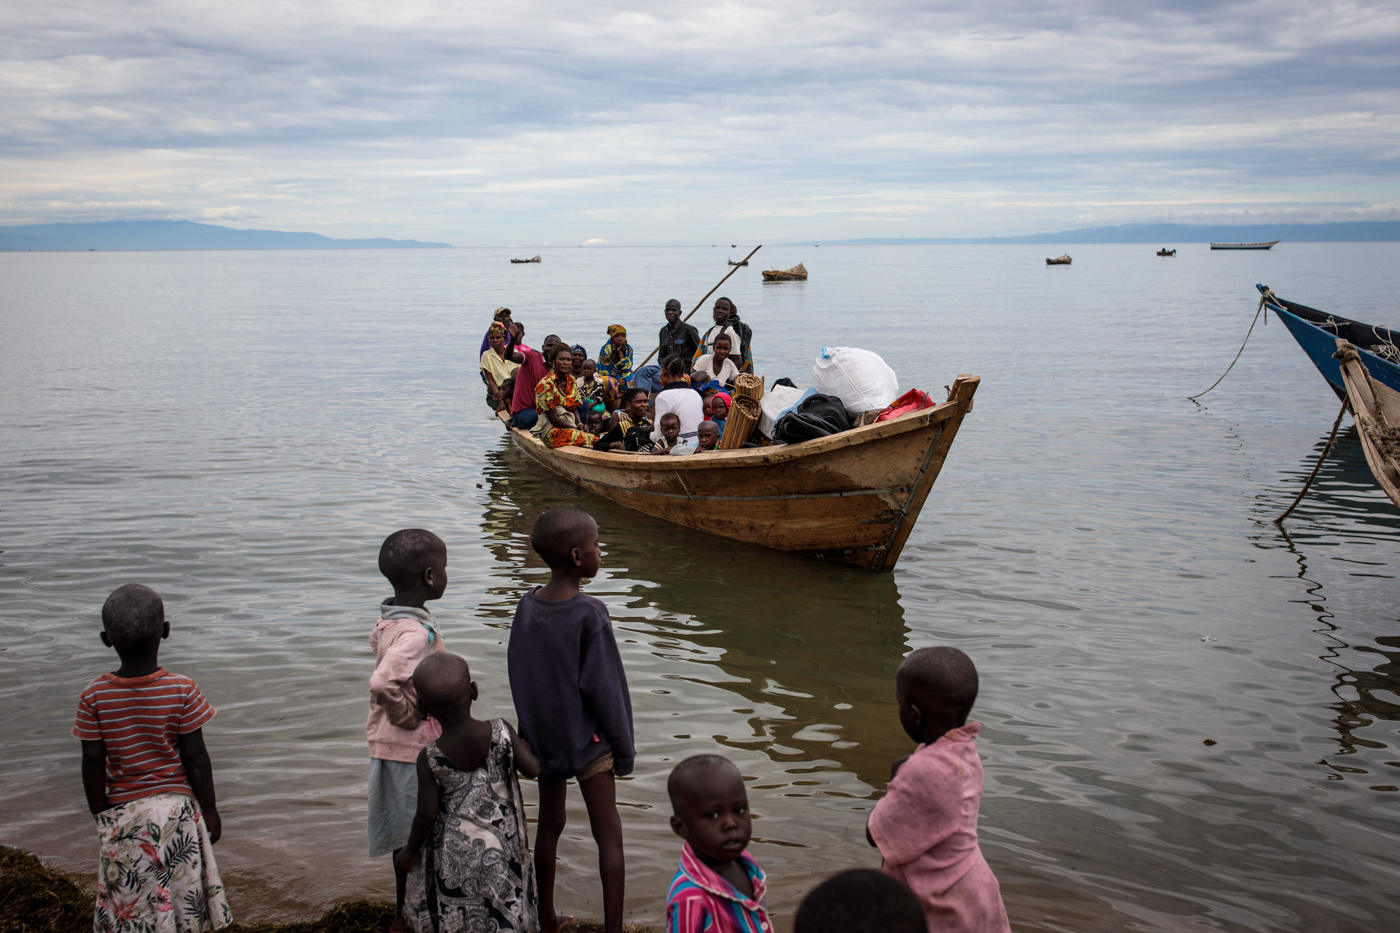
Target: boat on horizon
522,261
1317,332
1060,260
1270,245
851,497
1166,252
744,262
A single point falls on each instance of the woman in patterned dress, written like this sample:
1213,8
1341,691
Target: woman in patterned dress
557,400
615,357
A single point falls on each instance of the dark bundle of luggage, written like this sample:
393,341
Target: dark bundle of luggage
817,416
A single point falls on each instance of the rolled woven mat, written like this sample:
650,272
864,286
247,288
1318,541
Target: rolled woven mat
748,386
742,420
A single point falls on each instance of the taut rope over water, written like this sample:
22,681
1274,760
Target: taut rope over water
1316,466
1263,300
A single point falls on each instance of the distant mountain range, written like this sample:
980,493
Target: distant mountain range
1168,234
177,235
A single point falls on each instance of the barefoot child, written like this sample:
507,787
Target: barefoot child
415,563
570,692
469,806
926,824
148,780
719,888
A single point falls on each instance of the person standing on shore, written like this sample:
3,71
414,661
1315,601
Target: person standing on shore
575,711
148,780
415,563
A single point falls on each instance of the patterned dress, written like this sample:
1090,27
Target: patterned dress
549,395
475,874
619,368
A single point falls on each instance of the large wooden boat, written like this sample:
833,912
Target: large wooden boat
1376,408
796,273
522,261
852,497
1317,333
1269,245
1061,260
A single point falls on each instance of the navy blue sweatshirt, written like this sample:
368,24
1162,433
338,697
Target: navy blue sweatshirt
568,684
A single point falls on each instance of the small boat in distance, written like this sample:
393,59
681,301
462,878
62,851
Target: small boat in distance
536,259
1317,333
1166,252
796,273
733,263
1270,245
1061,260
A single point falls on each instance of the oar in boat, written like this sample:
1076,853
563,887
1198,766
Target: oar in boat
703,300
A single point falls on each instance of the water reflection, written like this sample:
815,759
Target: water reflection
811,648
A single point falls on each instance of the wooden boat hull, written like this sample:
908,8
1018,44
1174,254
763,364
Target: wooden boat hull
1166,252
1058,262
1270,245
852,497
773,276
1317,333
1371,405
743,263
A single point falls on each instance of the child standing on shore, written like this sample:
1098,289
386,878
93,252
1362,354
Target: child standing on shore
475,873
719,887
148,780
926,824
415,563
571,695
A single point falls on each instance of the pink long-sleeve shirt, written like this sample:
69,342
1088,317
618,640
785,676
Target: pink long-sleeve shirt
926,829
396,729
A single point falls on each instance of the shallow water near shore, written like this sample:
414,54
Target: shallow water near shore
241,430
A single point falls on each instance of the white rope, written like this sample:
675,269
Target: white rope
1385,348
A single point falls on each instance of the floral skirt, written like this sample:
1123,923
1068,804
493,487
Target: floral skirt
568,437
156,871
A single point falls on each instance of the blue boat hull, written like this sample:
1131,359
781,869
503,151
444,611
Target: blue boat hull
1317,333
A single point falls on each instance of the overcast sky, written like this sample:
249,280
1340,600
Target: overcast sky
564,122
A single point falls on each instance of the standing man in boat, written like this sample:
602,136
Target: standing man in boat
676,338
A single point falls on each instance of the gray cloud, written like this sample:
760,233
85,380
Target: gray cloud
625,122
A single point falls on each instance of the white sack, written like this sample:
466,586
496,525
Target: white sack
774,400
860,379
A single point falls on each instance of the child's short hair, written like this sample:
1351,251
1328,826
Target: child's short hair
632,393
707,426
861,900
559,531
692,771
405,554
939,678
725,338
669,417
133,617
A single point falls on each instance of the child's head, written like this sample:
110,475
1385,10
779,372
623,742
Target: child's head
722,349
670,426
444,686
935,688
719,407
635,401
590,369
133,620
707,435
567,538
861,900
596,420
415,563
709,807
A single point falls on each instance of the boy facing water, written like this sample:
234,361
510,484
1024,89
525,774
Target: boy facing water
926,824
571,695
148,780
415,563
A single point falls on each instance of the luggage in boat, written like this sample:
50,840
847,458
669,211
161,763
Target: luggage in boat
817,416
857,377
913,400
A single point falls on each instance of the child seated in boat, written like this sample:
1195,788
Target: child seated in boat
719,886
670,433
597,420
706,437
469,802
926,824
717,366
719,410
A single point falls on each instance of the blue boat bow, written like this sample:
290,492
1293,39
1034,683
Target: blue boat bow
1317,333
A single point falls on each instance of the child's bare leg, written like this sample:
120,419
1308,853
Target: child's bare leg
600,795
547,833
400,924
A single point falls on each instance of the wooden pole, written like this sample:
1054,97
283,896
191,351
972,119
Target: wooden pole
702,301
1317,466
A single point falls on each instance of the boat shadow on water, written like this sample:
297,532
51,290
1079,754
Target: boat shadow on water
809,648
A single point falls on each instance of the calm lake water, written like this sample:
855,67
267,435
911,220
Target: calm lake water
241,430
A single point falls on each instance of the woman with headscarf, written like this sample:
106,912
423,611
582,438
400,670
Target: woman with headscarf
498,365
615,358
558,401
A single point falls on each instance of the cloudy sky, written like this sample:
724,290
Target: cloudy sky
562,122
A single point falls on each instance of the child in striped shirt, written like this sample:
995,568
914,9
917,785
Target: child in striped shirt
148,780
719,887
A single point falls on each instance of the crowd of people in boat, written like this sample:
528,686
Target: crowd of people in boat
569,398
444,795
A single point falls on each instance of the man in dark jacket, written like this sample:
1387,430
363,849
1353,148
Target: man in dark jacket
676,338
